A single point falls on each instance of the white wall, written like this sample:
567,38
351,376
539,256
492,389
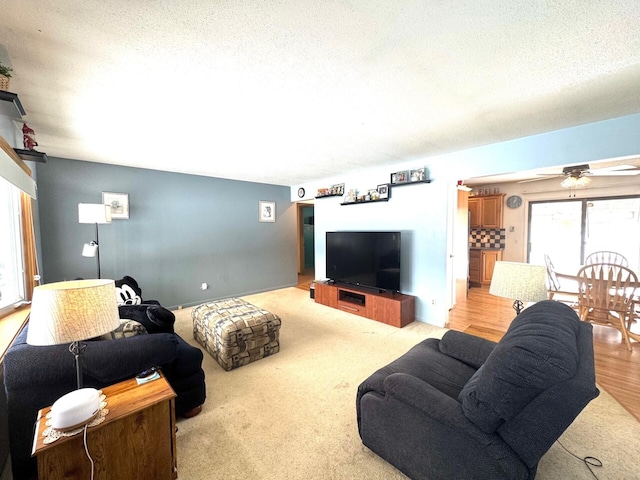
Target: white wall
413,210
423,212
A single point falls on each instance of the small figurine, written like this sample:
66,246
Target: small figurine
28,137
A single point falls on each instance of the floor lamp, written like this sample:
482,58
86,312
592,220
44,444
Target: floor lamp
521,281
95,213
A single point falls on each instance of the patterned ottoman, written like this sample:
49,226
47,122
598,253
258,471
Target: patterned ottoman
236,332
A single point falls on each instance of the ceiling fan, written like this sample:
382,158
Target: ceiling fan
578,175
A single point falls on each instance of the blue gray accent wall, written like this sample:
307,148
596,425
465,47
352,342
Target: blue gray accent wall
183,231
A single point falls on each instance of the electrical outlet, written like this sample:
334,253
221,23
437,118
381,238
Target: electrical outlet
204,286
433,302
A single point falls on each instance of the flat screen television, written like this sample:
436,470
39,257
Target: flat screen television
364,259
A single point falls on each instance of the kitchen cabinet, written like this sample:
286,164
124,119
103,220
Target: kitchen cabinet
481,265
486,211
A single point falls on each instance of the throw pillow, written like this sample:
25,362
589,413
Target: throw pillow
127,328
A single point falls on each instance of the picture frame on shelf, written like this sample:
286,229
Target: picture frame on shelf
267,211
119,203
400,177
383,191
418,175
337,189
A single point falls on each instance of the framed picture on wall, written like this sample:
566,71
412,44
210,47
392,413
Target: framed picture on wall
119,203
383,190
267,211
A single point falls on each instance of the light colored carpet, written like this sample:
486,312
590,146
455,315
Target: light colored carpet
292,415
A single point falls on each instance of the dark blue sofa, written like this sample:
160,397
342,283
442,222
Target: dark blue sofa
36,376
464,407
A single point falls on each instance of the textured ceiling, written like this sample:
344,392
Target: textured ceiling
288,91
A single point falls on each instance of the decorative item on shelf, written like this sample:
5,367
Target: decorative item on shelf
520,281
383,191
95,213
351,196
28,137
400,177
5,75
418,175
119,203
406,177
336,190
267,211
71,312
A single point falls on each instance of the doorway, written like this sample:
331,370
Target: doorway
306,245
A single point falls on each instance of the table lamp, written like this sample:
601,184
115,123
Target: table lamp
521,281
95,213
70,312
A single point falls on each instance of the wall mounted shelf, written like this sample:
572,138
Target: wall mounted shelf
10,105
366,201
330,195
31,155
408,183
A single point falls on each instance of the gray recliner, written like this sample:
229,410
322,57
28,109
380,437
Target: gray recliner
466,407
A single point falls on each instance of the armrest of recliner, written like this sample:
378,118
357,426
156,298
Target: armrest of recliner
432,403
467,348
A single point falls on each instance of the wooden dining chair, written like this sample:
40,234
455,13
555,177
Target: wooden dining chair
606,296
567,291
604,256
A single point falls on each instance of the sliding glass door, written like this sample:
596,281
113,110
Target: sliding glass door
569,230
555,228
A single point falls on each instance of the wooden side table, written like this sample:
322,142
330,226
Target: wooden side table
136,440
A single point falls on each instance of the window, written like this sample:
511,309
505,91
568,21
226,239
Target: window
12,285
569,230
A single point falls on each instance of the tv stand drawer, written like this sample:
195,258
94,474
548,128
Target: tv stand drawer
352,308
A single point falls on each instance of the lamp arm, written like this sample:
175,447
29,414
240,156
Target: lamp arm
517,306
77,348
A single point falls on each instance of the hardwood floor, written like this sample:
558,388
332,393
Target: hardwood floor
617,369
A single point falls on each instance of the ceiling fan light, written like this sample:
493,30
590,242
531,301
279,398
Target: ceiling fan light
575,182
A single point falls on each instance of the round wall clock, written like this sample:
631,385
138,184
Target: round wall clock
301,192
514,201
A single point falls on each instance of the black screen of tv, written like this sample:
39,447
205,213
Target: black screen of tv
364,259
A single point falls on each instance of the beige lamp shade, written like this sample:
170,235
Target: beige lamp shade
66,312
519,281
94,213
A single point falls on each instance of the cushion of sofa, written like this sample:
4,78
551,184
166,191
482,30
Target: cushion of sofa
156,319
538,351
127,328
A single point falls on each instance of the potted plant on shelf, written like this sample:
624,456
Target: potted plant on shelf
5,75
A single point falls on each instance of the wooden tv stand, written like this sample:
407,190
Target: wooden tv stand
395,309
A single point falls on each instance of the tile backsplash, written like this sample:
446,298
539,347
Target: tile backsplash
487,238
